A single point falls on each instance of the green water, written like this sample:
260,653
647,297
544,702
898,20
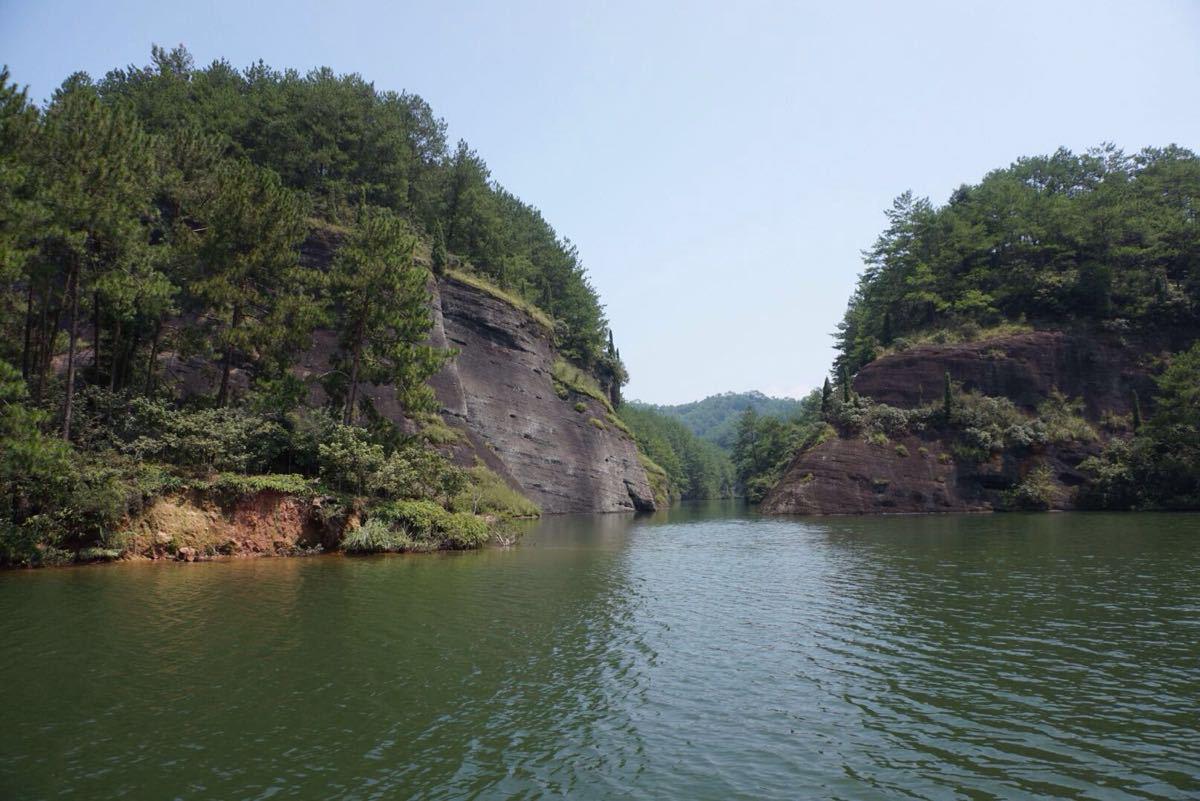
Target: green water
701,654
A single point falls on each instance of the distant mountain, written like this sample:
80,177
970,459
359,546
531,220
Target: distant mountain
714,419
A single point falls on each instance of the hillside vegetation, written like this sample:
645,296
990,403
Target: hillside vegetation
688,467
1104,244
1101,239
170,210
715,419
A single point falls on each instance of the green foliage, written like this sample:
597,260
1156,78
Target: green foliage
765,445
569,378
486,493
1160,466
1036,492
426,521
692,468
236,485
580,407
1100,238
1063,420
598,424
385,317
715,418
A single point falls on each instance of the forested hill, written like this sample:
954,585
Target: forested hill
715,419
1030,344
227,219
1103,239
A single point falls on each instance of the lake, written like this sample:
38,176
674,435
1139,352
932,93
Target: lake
701,653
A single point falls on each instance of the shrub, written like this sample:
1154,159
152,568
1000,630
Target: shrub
901,451
488,494
1036,492
1063,419
375,536
877,438
580,407
597,424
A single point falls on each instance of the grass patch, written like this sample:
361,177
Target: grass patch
597,424
580,407
481,283
948,336
568,378
435,431
660,482
489,494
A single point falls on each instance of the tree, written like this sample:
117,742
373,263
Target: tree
95,165
247,277
438,255
826,393
844,380
947,396
1135,407
383,310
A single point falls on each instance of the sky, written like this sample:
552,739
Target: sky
720,165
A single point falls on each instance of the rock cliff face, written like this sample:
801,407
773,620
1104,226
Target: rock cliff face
1023,368
848,475
499,391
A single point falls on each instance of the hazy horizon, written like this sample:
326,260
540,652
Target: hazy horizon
719,168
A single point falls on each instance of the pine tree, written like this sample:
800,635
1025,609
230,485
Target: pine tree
826,392
96,164
844,380
248,277
383,311
438,256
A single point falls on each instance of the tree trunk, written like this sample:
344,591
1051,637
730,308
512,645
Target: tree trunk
116,354
227,362
127,359
152,362
25,354
52,321
96,337
67,407
352,402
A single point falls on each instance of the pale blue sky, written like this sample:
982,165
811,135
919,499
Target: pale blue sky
720,164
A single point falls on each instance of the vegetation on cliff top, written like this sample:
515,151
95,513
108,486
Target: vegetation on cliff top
1101,238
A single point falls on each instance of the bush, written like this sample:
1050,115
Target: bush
580,407
1036,492
426,522
901,451
488,494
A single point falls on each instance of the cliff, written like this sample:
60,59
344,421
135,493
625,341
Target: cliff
562,448
1100,369
927,470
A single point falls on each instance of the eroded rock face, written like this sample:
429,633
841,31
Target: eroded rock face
499,391
847,475
1022,367
850,476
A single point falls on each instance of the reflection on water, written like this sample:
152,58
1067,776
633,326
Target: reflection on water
699,653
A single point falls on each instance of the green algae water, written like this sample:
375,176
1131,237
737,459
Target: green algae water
703,653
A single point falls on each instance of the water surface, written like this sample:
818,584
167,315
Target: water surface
704,653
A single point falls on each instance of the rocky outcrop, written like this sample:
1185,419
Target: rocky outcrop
565,453
848,474
1100,368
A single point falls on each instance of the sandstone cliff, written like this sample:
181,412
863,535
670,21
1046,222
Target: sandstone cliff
565,453
920,472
